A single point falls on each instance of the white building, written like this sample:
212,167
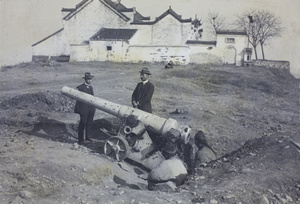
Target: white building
101,30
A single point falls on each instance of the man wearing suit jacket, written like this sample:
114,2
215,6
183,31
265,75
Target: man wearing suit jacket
85,111
142,94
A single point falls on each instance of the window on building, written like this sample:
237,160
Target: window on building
229,40
108,48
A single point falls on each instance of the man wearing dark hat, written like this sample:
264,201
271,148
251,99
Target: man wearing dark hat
142,94
85,111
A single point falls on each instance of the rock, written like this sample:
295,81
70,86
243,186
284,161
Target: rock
25,194
75,146
288,198
30,141
262,199
213,201
166,187
229,196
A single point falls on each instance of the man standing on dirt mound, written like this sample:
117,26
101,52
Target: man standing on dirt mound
85,111
142,94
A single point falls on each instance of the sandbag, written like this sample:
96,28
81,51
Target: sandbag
172,169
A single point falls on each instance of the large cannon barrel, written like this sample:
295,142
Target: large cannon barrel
158,124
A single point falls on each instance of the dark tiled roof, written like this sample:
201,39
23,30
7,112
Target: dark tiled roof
199,42
81,3
248,49
121,8
139,17
60,30
78,8
67,9
230,32
169,11
117,8
113,34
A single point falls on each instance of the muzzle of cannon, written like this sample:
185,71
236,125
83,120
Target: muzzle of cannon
134,141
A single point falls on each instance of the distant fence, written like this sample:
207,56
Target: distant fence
272,64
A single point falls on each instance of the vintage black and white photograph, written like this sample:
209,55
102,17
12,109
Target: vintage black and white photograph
149,102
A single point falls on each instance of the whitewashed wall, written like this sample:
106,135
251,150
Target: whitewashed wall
116,54
142,36
205,54
167,31
56,45
178,54
239,45
80,53
89,20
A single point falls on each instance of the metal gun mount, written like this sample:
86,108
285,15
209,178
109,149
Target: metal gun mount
133,140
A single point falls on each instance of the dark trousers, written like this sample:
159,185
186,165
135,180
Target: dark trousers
86,122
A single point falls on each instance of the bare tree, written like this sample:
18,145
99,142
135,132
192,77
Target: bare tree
261,26
216,21
270,28
247,22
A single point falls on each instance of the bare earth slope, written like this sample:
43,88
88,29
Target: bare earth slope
249,115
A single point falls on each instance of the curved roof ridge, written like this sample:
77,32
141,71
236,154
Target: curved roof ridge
167,12
77,9
111,5
174,14
60,30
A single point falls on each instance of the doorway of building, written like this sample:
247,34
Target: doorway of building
229,55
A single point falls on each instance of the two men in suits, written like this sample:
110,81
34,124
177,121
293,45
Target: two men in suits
142,94
85,111
141,99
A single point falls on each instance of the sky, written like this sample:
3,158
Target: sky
25,22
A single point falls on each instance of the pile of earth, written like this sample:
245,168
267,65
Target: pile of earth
43,101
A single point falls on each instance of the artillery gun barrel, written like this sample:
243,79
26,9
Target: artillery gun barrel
158,125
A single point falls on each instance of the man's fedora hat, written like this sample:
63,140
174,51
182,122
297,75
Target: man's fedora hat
88,75
145,70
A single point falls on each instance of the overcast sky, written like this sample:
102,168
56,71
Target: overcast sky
25,22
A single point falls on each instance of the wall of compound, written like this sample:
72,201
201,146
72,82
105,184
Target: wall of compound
178,54
53,46
272,64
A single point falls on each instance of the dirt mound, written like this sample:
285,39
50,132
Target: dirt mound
256,165
266,80
44,101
